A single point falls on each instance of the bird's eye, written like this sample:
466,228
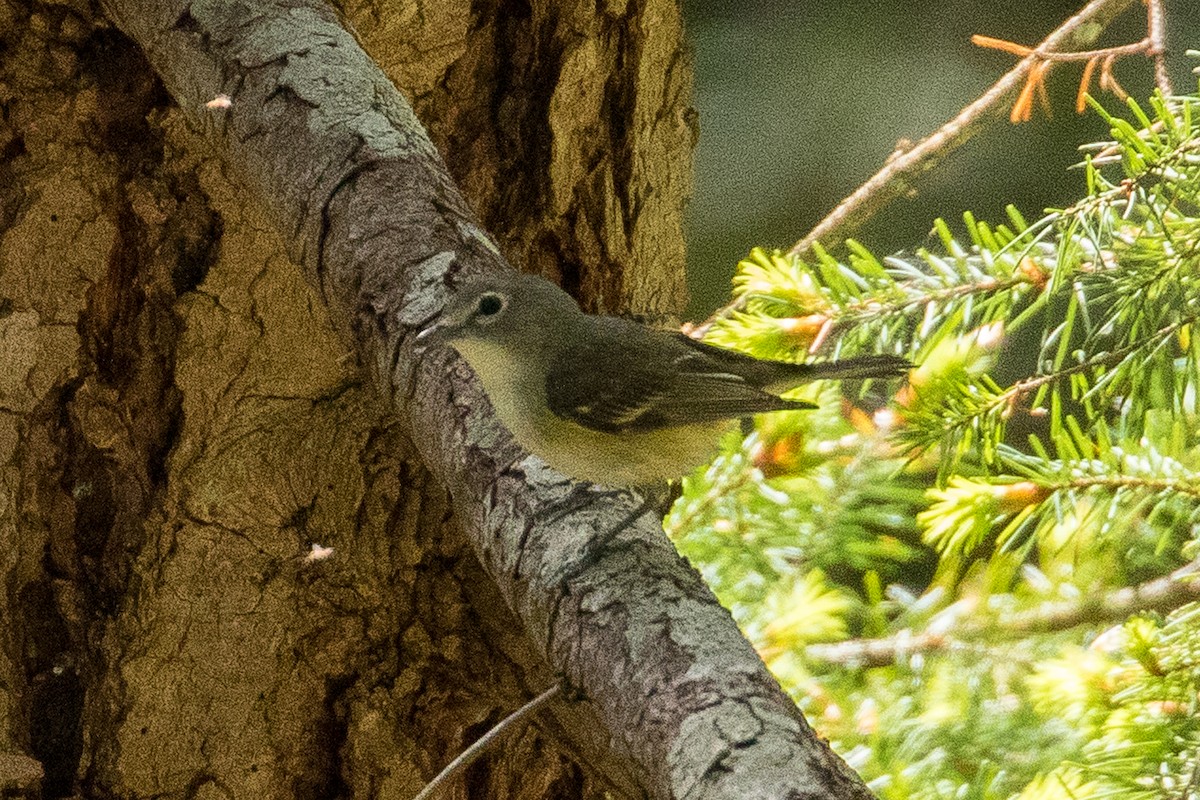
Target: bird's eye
489,304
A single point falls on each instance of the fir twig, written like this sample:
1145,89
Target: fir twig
1160,595
986,410
1034,542
895,178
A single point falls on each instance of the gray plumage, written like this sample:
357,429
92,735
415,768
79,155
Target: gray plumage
606,399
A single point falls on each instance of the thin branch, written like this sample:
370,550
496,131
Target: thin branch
1115,51
894,179
871,307
1161,594
1010,396
725,486
1128,482
1156,27
871,653
480,746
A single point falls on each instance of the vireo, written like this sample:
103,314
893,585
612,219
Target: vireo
608,400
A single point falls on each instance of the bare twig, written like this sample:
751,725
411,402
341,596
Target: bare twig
869,653
1156,33
894,179
1161,594
1134,48
468,757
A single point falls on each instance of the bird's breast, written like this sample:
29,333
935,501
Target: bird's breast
517,391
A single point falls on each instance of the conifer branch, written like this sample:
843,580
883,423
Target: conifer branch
983,409
1160,595
1137,483
1105,492
895,178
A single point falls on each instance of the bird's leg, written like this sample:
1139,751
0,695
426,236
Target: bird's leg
580,496
650,500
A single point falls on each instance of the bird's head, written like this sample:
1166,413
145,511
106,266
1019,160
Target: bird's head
500,309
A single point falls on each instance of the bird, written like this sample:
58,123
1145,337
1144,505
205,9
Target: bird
608,400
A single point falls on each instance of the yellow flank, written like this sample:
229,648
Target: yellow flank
607,459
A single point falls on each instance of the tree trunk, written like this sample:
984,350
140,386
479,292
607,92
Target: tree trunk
568,127
186,425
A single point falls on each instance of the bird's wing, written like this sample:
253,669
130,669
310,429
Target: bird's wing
628,379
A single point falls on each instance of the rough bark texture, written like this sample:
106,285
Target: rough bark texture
566,126
180,421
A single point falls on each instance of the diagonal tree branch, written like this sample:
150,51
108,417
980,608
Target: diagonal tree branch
905,167
894,180
335,154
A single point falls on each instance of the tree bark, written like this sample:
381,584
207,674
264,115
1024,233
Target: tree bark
180,423
567,126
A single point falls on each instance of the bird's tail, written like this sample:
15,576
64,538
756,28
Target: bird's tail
856,368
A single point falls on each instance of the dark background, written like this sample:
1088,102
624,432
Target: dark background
800,102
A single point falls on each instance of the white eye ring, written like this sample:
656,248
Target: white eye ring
490,305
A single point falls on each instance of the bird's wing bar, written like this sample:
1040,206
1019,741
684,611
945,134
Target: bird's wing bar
654,383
